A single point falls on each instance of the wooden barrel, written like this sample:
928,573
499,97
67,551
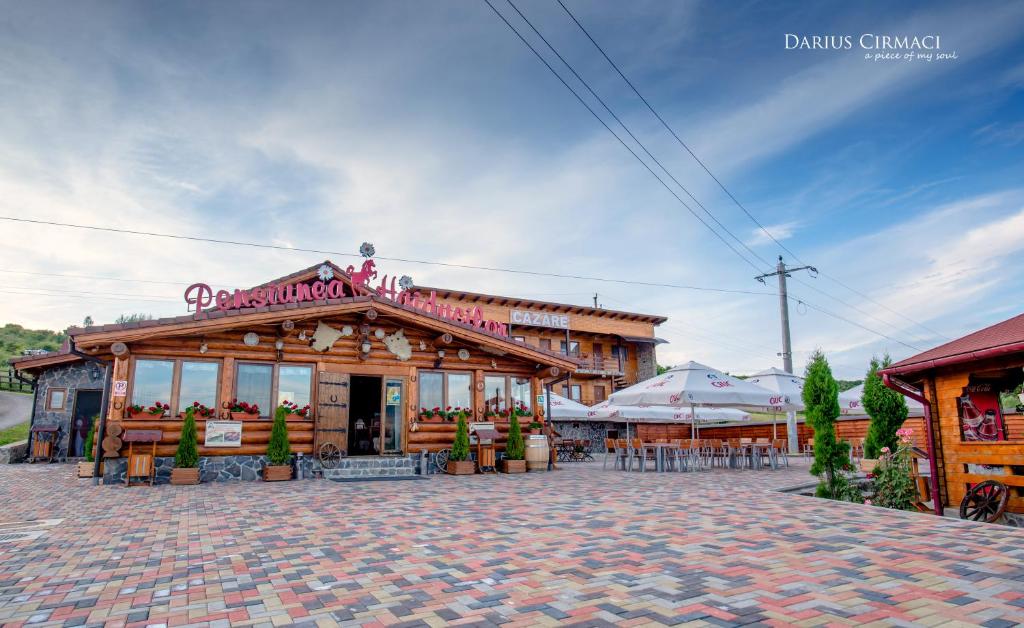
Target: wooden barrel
537,452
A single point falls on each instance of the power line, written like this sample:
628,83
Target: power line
75,295
631,135
28,272
617,137
280,247
799,300
718,181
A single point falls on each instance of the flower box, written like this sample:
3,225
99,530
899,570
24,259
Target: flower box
512,466
461,467
245,416
296,417
867,465
144,416
277,473
85,469
181,477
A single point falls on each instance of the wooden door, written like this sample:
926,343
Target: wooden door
332,410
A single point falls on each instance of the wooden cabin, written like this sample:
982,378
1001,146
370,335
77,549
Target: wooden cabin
371,364
971,388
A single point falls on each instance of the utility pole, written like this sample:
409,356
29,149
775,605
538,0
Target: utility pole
595,300
787,347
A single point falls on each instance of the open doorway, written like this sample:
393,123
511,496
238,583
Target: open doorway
364,416
87,407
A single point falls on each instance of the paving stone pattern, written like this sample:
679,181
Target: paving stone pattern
578,546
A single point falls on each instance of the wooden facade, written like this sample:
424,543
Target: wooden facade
615,349
982,370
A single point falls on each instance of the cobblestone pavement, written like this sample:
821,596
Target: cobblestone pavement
581,546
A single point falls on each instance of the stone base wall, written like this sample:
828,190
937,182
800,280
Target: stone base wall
13,452
595,432
212,468
72,377
646,362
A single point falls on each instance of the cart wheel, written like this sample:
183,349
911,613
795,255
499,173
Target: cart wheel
330,455
441,460
985,502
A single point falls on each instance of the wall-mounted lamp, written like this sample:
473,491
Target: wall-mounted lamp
279,345
440,353
366,346
203,347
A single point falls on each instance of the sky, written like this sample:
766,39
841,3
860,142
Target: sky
431,130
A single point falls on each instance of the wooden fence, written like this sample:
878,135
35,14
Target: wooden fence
9,382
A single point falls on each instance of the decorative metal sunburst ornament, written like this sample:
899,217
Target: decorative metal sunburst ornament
405,282
325,272
367,250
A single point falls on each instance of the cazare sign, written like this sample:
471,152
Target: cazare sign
539,319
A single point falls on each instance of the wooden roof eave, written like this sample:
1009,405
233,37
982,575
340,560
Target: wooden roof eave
221,323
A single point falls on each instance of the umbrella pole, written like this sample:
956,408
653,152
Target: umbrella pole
693,422
775,425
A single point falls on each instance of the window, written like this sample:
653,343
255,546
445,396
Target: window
495,393
521,392
56,398
253,384
575,392
294,384
178,383
267,385
154,381
441,389
521,339
545,343
199,382
574,348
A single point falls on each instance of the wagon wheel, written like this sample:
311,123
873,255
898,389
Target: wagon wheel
441,460
985,502
330,455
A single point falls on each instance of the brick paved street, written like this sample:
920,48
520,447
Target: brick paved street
578,546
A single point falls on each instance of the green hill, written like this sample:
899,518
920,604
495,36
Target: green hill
14,339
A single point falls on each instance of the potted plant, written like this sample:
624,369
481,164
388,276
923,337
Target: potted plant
459,462
295,412
155,411
186,459
85,468
426,415
200,411
515,449
535,427
279,452
244,411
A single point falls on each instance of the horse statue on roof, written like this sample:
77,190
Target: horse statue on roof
363,276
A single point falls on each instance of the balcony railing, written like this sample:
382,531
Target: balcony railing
600,364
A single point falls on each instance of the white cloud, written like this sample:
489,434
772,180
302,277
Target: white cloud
779,232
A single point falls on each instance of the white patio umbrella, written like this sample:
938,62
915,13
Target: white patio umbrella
786,385
693,384
606,411
563,408
850,403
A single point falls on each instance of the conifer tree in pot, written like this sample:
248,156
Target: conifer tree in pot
515,449
279,452
85,469
459,462
186,459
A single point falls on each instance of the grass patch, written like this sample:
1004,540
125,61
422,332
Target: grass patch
14,433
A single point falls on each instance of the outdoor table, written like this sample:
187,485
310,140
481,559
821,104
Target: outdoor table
660,451
755,455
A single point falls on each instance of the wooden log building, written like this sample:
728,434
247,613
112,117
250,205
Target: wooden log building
366,359
974,410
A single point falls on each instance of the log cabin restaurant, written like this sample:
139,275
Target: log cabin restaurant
370,360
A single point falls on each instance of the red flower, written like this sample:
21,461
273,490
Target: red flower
195,404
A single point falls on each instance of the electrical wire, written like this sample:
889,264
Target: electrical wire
280,247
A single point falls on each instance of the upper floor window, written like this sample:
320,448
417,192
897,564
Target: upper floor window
574,348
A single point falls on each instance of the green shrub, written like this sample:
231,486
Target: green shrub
515,449
887,409
279,452
187,456
460,448
831,457
90,438
894,486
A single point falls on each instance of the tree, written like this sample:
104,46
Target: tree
515,449
87,321
886,407
90,438
187,455
134,317
279,452
659,369
821,402
460,448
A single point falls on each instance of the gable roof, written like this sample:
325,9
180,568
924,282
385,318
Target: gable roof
998,339
228,319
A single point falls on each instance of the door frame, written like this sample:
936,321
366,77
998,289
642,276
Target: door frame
72,435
